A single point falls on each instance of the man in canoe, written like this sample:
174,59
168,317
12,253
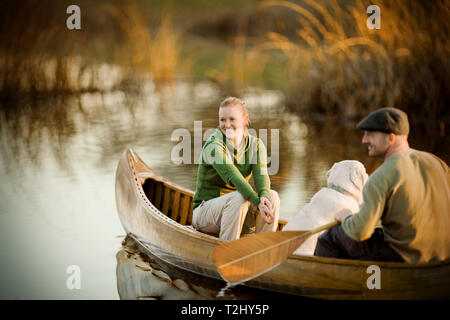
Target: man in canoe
223,195
409,193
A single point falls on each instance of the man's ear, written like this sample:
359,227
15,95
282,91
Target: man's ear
392,138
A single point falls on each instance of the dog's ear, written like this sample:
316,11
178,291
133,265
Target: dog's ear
329,171
358,178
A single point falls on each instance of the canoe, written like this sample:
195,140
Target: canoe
157,214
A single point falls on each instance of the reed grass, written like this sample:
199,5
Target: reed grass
40,57
156,52
243,67
339,67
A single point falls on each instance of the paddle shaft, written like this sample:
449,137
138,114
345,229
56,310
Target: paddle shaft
325,226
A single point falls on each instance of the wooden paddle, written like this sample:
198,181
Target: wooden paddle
246,258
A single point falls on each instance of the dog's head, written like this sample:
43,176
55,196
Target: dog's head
349,175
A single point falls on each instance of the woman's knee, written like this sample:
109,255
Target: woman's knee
236,196
274,197
237,200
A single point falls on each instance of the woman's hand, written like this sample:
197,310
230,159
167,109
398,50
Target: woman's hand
265,210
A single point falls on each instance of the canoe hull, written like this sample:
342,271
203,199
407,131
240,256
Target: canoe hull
328,278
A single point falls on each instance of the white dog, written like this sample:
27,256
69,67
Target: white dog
345,181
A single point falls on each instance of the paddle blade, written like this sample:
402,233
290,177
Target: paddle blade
245,258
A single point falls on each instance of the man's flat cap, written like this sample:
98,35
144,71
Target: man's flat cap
388,120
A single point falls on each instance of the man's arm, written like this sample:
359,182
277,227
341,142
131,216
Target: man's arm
361,225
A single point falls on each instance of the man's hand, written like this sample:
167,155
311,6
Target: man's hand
340,215
265,210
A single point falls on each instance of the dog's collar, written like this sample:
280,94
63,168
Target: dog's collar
343,191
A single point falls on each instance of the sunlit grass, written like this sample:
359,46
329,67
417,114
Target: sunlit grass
338,66
156,52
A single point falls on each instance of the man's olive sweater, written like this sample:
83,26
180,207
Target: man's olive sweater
410,193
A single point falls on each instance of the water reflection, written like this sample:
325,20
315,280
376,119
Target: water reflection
144,276
57,163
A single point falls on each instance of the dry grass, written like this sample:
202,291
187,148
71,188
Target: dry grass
26,34
156,52
337,66
40,57
244,66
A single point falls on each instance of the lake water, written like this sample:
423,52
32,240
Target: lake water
58,161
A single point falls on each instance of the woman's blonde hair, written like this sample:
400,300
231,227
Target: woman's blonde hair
233,101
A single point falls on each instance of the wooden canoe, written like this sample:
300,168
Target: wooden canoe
157,214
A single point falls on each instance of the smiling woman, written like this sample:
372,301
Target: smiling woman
233,120
224,201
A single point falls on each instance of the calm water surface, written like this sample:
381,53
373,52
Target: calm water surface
57,166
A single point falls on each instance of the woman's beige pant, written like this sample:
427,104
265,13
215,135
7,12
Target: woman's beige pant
226,216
